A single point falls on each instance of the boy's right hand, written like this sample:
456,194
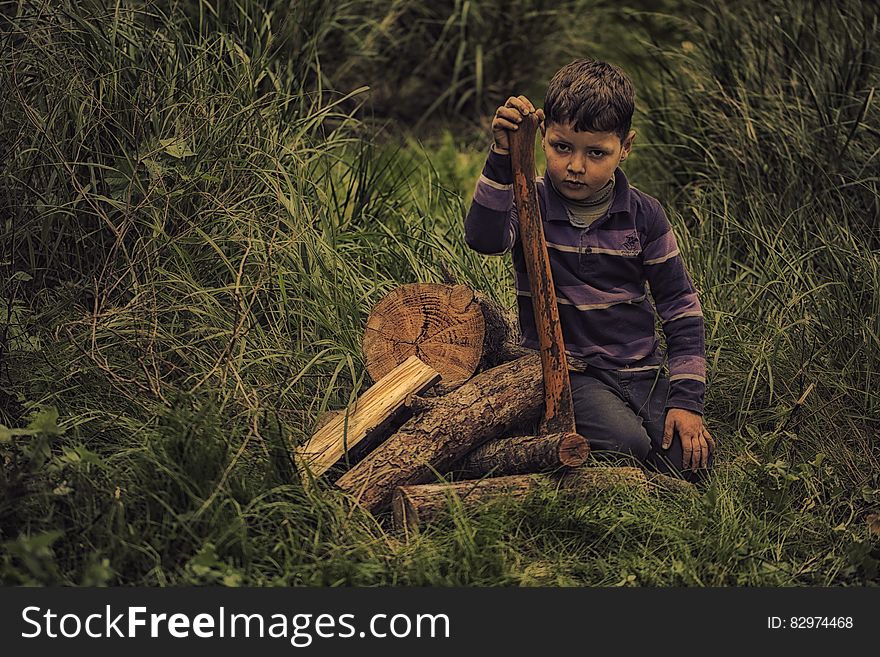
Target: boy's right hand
508,117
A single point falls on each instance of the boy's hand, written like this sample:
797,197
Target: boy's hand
697,443
508,117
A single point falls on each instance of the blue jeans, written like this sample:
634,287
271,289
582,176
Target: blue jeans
622,412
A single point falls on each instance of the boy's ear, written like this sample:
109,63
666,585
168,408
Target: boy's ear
627,145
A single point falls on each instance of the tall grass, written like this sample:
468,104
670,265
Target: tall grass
196,224
767,128
192,254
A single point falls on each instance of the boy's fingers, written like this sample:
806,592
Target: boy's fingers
520,103
504,124
696,453
509,113
709,446
516,104
527,104
710,441
667,434
687,452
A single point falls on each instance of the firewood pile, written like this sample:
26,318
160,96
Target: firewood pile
451,415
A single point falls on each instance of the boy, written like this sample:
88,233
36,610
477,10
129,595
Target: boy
605,240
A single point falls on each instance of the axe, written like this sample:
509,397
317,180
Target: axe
558,408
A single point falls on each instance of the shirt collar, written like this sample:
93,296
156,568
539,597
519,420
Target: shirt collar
622,201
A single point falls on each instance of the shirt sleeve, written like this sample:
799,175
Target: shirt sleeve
491,226
675,298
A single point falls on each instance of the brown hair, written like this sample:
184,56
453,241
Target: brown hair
595,96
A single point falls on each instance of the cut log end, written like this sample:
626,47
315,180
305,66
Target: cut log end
460,297
573,450
441,324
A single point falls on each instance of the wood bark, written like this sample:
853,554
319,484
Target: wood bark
559,409
488,406
413,506
361,426
441,324
523,454
670,484
502,333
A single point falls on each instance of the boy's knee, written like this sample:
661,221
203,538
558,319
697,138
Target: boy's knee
636,443
622,440
604,419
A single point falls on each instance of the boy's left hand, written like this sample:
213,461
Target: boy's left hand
697,443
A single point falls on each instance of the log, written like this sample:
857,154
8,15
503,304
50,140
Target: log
597,478
441,324
502,334
559,409
488,406
365,424
414,506
523,454
501,338
669,484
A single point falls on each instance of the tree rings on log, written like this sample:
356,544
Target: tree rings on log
441,324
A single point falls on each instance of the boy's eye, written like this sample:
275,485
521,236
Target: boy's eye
593,153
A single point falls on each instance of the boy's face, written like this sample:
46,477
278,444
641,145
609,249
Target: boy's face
581,163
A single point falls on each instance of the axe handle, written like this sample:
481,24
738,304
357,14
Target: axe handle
558,408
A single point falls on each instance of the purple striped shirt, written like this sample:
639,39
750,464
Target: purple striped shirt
605,277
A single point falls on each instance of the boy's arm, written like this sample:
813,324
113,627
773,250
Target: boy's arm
679,308
491,226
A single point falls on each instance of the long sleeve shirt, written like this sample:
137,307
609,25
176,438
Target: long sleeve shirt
603,275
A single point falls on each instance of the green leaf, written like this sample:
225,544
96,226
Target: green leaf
46,422
177,147
21,276
155,169
232,579
78,455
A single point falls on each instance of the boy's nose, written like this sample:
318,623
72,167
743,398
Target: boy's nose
577,165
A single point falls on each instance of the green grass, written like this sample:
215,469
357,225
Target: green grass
198,219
